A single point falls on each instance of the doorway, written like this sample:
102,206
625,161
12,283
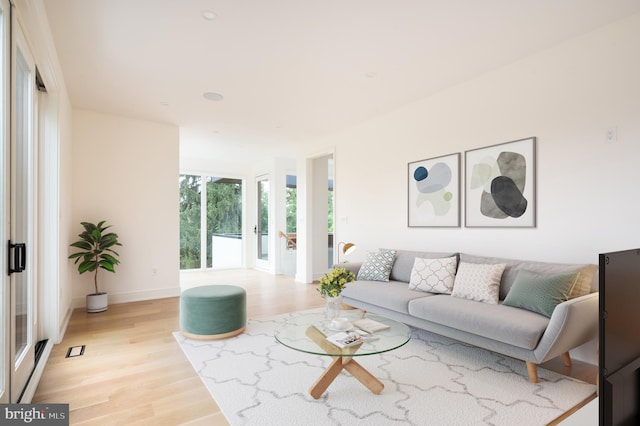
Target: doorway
261,229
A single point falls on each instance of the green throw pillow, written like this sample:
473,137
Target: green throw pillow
540,293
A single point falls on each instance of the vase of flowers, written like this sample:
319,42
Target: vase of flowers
331,285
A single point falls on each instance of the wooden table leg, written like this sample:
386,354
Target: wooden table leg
366,378
326,378
336,366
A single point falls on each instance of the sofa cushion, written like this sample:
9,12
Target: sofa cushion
540,293
586,281
433,275
377,266
401,270
514,326
393,295
478,282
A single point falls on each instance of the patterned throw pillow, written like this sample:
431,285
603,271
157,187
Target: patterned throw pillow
377,266
480,282
540,293
433,275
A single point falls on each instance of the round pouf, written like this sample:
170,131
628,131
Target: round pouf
213,312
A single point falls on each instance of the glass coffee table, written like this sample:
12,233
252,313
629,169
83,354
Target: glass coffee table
308,333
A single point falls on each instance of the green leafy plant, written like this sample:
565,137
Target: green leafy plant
97,251
332,283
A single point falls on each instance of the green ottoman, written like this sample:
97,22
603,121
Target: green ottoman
213,312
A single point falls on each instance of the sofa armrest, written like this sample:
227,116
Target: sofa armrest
572,324
349,266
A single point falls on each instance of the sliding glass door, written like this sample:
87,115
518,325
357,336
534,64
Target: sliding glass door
210,222
5,153
23,216
18,215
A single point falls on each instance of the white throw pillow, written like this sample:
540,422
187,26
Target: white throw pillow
433,275
480,282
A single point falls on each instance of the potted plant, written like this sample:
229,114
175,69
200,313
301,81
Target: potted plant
331,285
96,252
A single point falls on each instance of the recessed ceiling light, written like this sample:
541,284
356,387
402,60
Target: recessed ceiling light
371,74
213,96
209,15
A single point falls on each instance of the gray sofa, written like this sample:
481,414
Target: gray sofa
512,331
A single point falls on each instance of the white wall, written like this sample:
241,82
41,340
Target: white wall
567,96
587,195
126,171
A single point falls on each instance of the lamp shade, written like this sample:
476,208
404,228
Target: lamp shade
346,248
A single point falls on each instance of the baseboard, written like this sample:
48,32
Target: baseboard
31,387
136,296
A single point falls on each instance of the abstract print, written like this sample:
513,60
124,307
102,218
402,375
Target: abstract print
434,192
503,177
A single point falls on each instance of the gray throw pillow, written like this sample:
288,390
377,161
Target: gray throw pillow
377,266
540,293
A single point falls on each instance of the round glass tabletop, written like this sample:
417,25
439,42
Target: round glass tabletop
309,332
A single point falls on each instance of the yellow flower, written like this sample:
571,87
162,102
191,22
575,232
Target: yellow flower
332,283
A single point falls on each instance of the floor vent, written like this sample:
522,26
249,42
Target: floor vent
75,351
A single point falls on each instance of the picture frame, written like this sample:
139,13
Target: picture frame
500,185
433,187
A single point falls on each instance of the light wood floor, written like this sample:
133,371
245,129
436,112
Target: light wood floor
134,373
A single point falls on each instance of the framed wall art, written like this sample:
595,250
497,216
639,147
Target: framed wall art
500,185
434,192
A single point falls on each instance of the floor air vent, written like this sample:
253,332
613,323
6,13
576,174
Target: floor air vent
75,351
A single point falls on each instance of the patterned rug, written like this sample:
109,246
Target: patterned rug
432,380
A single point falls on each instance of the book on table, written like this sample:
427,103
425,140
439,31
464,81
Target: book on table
343,340
370,326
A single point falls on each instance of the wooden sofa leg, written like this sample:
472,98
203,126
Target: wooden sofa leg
362,313
532,369
566,359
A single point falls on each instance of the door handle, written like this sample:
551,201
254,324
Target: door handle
255,229
19,257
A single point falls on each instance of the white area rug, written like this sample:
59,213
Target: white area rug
432,380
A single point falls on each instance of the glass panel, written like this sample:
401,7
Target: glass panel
330,218
224,222
292,204
22,195
4,209
263,219
290,243
190,221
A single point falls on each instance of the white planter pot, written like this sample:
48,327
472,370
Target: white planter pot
97,302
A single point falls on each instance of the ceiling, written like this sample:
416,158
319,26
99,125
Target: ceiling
291,71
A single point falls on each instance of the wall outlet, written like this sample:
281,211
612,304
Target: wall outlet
611,135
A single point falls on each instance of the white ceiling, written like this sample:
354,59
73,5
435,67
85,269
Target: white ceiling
291,71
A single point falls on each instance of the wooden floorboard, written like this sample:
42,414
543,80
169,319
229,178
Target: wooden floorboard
133,371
